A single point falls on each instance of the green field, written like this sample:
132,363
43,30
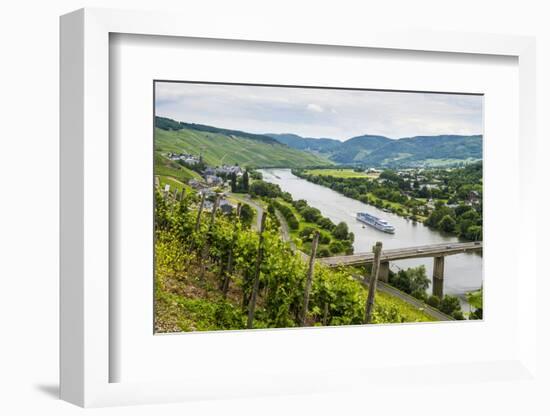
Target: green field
166,167
341,173
218,149
174,183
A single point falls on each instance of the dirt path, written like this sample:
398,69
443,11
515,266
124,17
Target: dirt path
285,231
257,207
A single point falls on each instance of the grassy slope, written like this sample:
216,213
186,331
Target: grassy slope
200,313
174,183
166,167
341,173
218,149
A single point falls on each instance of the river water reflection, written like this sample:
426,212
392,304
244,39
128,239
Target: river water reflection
463,272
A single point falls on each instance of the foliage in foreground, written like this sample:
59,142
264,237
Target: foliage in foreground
204,278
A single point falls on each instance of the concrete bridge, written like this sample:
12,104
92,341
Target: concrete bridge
437,251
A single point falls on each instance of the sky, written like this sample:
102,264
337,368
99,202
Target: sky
311,112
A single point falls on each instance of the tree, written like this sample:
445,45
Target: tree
419,280
434,301
449,305
311,214
401,281
458,315
424,192
247,214
461,209
233,182
475,299
246,182
261,188
447,224
325,223
336,247
341,231
412,281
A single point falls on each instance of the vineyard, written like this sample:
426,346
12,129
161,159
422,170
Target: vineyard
214,272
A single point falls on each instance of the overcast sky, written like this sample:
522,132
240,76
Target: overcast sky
338,114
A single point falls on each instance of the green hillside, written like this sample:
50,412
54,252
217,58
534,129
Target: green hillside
221,147
166,167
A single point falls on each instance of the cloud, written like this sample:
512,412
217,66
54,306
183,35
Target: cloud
315,107
317,112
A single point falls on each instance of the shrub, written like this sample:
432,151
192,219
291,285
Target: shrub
323,252
447,224
449,305
341,231
247,214
311,214
434,301
336,247
324,238
458,315
476,314
420,294
325,223
307,233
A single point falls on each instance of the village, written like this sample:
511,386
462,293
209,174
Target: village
215,181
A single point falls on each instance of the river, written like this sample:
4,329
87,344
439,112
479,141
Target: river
463,272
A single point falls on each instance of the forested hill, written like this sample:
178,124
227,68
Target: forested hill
321,145
222,146
169,124
380,151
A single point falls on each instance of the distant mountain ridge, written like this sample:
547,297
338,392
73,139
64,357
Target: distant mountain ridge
367,150
322,145
381,151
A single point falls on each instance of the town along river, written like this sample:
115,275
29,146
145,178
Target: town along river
463,272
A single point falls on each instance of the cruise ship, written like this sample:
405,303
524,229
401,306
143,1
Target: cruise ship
375,222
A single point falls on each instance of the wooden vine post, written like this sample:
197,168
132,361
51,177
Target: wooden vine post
229,270
309,278
173,204
206,247
377,249
198,223
252,303
325,314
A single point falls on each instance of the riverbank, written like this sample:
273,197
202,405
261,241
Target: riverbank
463,272
448,200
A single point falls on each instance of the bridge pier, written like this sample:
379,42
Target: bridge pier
437,281
384,271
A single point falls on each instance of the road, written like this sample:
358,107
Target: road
257,207
285,232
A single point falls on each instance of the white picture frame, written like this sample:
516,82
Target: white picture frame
86,356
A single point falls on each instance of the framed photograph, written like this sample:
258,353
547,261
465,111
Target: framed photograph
249,215
275,230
